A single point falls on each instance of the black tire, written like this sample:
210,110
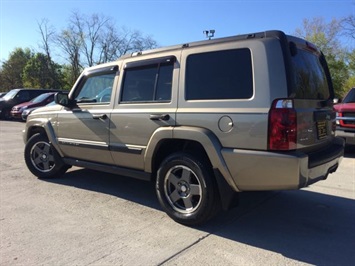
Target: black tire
42,159
186,189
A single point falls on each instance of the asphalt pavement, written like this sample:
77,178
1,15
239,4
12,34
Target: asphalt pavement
93,218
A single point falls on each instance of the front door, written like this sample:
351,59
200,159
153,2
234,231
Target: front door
83,131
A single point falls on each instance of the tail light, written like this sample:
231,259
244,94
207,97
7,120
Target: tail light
282,126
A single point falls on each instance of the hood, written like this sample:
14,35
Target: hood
22,105
341,107
30,104
45,109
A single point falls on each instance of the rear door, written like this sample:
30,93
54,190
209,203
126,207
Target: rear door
146,102
312,93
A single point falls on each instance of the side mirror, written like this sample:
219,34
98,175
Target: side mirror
62,98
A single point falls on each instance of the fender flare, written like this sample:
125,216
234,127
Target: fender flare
205,137
47,126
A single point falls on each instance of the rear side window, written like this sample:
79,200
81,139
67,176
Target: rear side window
219,75
309,76
24,95
149,81
34,93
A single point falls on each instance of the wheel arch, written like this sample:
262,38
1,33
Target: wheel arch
196,141
42,126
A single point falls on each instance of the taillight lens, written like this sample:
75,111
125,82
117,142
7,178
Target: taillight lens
282,126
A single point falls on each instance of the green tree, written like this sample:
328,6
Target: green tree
39,74
11,72
340,74
326,37
348,26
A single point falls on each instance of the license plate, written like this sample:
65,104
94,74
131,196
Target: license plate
322,129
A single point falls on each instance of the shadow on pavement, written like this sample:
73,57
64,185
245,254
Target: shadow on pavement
310,227
138,191
301,225
349,151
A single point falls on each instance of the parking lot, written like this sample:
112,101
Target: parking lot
94,218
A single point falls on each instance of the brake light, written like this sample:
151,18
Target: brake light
282,126
312,47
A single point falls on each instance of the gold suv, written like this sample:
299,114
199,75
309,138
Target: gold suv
203,120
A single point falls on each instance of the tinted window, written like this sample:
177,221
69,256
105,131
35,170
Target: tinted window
148,83
35,93
219,75
309,76
24,96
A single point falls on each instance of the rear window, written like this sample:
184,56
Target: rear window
219,75
310,80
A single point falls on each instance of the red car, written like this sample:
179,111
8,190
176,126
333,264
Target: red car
346,117
40,100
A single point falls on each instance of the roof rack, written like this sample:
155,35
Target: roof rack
263,34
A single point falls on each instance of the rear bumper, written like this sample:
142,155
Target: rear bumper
263,170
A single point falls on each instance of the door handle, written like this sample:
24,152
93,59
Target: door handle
159,117
100,116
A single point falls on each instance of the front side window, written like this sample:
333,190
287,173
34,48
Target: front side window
219,75
148,83
96,89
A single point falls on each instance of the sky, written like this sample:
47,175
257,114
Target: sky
168,22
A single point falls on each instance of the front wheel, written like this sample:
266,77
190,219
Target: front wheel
42,159
186,189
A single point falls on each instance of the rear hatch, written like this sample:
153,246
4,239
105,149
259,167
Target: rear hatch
305,119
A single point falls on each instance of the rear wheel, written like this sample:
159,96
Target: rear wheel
42,159
186,189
